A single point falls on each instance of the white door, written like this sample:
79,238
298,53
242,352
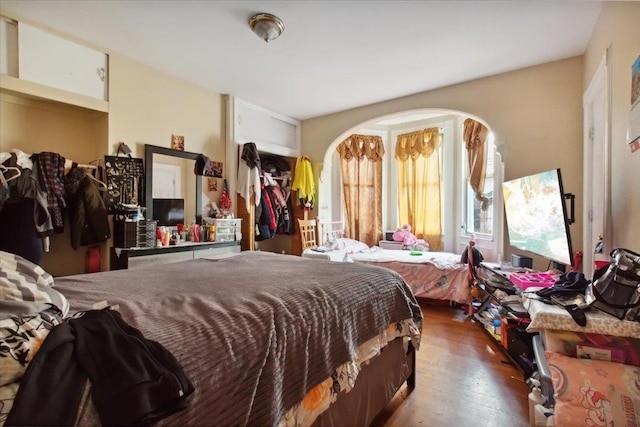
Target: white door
596,169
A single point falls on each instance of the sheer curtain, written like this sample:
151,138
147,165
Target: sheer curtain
361,166
475,138
418,161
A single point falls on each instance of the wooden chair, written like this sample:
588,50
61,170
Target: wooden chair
308,233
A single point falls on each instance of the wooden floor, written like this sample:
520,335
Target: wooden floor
462,379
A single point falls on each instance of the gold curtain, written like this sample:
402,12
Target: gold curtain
475,138
361,165
419,184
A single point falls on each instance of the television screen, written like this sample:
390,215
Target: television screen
536,216
168,211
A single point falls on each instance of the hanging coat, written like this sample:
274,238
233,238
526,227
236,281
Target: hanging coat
88,215
304,183
249,174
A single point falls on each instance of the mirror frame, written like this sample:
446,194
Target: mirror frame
149,151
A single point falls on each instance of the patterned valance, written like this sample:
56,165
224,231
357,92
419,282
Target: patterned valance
361,146
419,143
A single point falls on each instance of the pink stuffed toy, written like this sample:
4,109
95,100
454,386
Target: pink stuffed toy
407,238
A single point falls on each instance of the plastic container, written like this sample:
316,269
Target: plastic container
390,244
525,280
542,416
535,398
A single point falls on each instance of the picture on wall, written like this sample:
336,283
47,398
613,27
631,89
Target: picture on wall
216,169
177,142
213,184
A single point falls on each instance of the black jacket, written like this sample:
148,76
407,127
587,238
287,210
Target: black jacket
133,380
88,215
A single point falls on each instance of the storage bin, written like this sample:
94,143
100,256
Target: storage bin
390,244
525,280
228,229
131,234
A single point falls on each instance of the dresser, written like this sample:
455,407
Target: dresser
122,259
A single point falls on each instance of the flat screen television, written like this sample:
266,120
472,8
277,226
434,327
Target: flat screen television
168,211
537,216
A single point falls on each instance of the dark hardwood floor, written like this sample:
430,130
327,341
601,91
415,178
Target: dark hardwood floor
462,379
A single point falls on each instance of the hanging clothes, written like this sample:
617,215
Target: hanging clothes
18,232
89,223
50,167
25,188
4,189
249,174
263,231
304,183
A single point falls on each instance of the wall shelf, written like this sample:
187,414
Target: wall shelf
23,88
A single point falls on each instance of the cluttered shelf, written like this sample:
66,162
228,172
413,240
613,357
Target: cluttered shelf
499,310
596,351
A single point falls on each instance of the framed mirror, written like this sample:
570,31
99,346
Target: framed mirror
171,182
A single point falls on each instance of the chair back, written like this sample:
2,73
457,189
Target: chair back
308,233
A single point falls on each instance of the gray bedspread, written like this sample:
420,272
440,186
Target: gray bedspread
254,332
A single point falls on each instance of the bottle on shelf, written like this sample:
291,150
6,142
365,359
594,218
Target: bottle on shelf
535,398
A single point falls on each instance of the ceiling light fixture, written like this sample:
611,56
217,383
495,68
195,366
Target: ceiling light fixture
268,27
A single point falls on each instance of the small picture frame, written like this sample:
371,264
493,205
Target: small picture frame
177,142
216,169
212,184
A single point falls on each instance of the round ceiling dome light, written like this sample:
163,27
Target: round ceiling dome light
268,27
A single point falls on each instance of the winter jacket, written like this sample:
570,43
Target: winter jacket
88,215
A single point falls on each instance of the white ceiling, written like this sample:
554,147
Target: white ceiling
333,55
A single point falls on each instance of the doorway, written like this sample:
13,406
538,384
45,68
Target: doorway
596,209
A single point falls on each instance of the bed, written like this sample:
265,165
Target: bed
265,339
433,275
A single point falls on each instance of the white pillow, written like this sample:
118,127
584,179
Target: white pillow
350,246
23,281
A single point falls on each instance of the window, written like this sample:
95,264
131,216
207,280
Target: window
475,220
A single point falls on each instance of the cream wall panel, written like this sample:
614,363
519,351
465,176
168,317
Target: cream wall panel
34,126
147,107
618,28
536,112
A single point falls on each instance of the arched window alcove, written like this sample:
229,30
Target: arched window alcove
461,216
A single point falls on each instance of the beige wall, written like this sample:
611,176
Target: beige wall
145,107
535,112
618,27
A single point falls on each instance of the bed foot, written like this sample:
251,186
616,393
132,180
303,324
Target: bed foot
411,379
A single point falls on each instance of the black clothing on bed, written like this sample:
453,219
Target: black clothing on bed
134,381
